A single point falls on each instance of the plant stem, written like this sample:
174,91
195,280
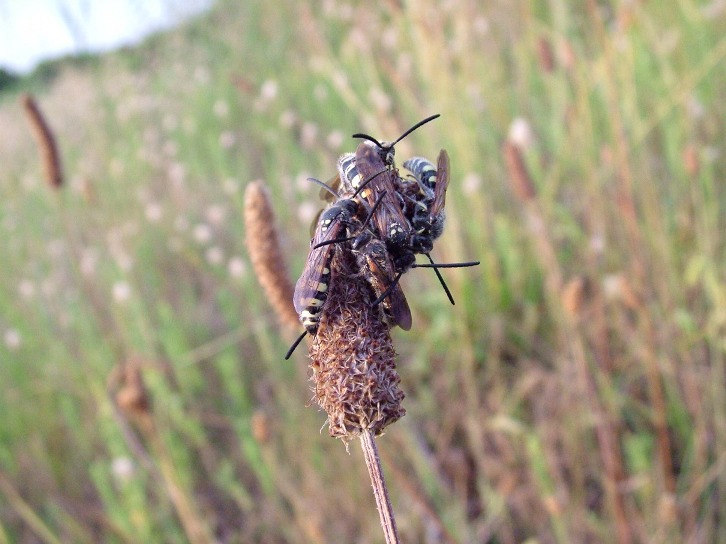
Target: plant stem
375,471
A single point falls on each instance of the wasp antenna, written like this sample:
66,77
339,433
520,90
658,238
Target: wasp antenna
373,209
295,345
331,242
441,281
348,238
326,187
447,265
388,290
366,182
367,137
414,127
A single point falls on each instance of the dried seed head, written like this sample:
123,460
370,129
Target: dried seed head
567,55
519,177
131,395
353,360
618,287
46,141
545,54
691,162
260,426
573,295
267,259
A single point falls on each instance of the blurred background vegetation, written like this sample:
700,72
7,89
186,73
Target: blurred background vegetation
575,393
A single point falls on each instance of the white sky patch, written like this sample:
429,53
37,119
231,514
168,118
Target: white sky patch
35,30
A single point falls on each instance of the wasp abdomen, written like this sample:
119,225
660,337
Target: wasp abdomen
424,171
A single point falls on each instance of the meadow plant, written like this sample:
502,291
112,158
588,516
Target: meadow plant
574,393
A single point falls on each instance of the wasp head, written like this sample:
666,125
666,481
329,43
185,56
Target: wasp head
387,153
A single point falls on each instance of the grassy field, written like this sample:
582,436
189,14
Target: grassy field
576,392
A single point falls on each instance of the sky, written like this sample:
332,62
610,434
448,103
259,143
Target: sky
35,30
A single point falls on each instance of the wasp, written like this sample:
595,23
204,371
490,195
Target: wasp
414,213
386,150
377,268
339,224
393,226
349,178
426,211
407,217
390,221
422,202
311,289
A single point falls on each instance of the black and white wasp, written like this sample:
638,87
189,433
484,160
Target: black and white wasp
426,208
339,224
386,150
391,223
376,266
384,220
311,289
394,227
421,203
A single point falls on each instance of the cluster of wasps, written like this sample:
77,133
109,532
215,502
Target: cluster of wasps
384,220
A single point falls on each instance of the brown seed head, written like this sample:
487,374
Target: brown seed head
691,161
545,54
132,398
46,141
353,360
519,177
267,259
260,425
568,57
573,295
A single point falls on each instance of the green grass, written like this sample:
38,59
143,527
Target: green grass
535,411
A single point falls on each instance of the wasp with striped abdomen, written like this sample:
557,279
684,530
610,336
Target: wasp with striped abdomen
393,225
377,268
402,217
339,224
426,211
422,203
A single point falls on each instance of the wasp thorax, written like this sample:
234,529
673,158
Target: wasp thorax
397,235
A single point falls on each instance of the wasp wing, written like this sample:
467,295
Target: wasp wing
389,218
400,311
311,289
442,183
379,271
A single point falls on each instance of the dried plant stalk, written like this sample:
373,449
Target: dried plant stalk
267,259
46,142
380,491
133,403
353,360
